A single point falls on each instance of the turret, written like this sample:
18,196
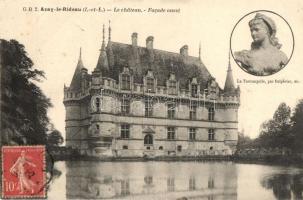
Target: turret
102,64
229,87
110,54
73,108
76,81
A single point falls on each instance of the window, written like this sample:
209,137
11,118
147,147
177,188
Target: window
211,114
193,111
171,184
211,134
97,126
150,84
171,133
148,140
148,107
125,82
125,189
125,106
98,150
125,131
211,197
211,183
192,183
194,90
160,148
98,103
125,147
172,87
108,139
148,180
192,134
171,110
179,148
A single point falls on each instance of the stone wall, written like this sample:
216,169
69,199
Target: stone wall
82,121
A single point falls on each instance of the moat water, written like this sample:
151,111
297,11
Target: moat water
174,180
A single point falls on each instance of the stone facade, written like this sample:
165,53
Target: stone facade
143,102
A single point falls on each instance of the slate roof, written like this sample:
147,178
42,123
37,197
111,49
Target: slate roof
229,86
76,81
162,63
141,59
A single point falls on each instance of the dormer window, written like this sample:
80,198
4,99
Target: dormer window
213,89
194,90
150,84
194,87
125,82
172,85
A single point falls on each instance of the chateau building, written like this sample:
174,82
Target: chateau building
140,101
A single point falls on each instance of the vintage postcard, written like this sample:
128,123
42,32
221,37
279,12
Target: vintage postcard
164,99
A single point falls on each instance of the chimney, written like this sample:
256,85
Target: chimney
135,39
184,50
149,42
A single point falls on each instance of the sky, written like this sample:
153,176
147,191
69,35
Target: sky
53,40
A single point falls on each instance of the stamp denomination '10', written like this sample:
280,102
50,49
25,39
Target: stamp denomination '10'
23,174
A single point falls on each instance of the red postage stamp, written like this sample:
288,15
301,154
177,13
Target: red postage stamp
23,172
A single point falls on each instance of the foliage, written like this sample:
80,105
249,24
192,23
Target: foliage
243,141
23,104
297,128
284,130
54,138
276,131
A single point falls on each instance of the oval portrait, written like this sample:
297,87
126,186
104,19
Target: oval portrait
262,43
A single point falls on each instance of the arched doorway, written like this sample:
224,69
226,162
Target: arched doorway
148,139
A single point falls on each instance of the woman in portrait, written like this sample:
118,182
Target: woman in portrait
265,56
18,169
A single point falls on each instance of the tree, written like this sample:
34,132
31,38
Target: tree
276,131
243,140
23,104
297,128
54,138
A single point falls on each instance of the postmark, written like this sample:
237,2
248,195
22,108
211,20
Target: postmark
23,172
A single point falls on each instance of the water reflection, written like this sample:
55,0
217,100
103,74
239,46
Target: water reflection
151,180
284,186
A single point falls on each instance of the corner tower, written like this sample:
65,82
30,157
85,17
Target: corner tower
76,108
231,94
